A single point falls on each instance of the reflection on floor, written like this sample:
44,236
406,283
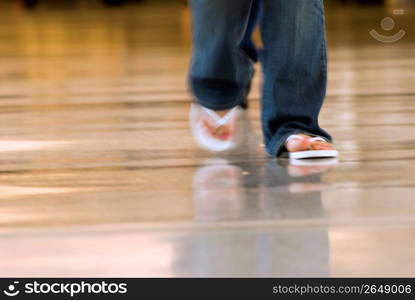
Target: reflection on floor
99,175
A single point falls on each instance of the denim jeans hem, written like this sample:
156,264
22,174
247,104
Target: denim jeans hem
224,106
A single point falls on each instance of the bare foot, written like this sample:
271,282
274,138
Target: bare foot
296,145
223,132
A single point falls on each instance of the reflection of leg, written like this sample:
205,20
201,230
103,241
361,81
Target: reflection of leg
281,200
220,70
294,63
260,252
306,249
217,191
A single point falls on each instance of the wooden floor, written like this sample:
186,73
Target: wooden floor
99,175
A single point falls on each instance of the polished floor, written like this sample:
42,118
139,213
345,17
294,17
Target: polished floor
99,175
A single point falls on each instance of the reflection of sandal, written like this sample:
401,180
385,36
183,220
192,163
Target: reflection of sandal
213,132
217,190
311,153
302,167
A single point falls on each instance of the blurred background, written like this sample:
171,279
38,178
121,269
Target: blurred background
99,175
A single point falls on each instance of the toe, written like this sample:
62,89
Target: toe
296,145
305,144
320,145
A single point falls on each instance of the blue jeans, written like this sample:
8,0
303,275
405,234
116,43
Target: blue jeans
247,43
294,63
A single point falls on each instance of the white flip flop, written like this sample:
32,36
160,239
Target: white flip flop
311,153
202,136
331,161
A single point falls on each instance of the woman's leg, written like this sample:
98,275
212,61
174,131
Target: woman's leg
247,43
220,69
295,70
